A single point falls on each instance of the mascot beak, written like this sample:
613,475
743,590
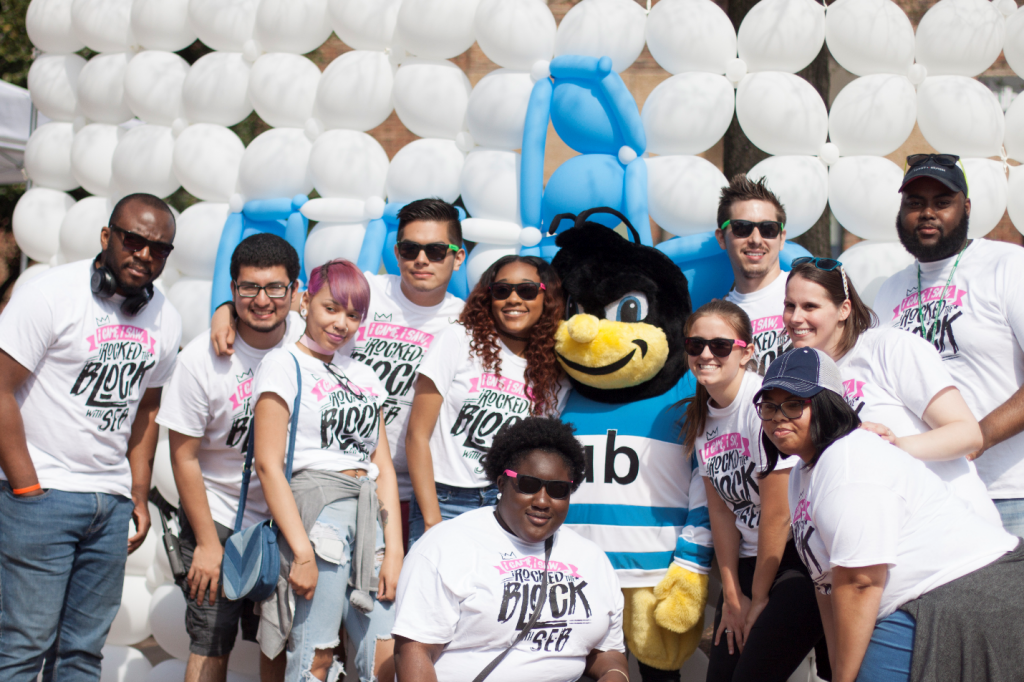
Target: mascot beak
606,354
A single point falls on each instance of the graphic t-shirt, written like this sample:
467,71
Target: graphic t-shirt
472,585
339,412
393,339
477,404
210,397
764,307
730,455
90,365
890,377
846,514
980,333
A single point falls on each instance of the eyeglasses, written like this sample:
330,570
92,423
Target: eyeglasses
252,290
769,229
826,265
941,159
525,290
791,409
531,485
720,348
136,242
436,252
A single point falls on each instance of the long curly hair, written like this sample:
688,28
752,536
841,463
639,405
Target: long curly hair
543,373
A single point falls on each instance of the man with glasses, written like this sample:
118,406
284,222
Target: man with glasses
751,229
967,298
83,353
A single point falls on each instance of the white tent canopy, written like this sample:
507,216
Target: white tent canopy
15,127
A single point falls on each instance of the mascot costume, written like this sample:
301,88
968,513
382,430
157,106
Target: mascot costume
643,501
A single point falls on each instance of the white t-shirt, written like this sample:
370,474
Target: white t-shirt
90,364
729,453
890,377
846,514
210,397
764,307
465,584
338,424
393,339
980,337
477,404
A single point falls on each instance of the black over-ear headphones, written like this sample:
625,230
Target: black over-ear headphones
104,285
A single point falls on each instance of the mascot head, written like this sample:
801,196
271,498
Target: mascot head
626,304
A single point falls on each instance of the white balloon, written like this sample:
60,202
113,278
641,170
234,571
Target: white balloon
30,274
282,89
162,24
206,159
328,241
48,24
141,559
1014,195
489,184
152,86
355,91
101,88
92,156
48,156
167,618
223,24
873,115
171,670
986,184
1013,138
870,36
496,232
690,35
53,85
484,256
781,35
36,222
682,193
515,33
80,228
781,113
431,97
350,164
496,112
276,164
143,161
959,115
603,28
102,25
296,26
688,113
216,89
123,664
196,239
1013,45
191,297
801,184
863,193
131,624
364,24
868,264
436,29
959,37
425,168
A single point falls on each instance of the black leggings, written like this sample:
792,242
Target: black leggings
785,632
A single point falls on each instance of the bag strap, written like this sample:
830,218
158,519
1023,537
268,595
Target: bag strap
250,448
533,619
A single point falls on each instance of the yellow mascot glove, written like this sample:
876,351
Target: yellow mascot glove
682,596
652,644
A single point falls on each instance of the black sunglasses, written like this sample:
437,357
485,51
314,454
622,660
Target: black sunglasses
720,348
531,485
136,242
941,159
769,229
436,252
527,291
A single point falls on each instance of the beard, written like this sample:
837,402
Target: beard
947,245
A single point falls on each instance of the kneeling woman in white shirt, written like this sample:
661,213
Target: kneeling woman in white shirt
505,589
912,584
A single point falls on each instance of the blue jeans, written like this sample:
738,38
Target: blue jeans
1012,513
453,501
890,651
317,621
62,561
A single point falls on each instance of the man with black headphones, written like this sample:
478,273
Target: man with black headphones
83,353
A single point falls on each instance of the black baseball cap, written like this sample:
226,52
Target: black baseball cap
804,372
942,167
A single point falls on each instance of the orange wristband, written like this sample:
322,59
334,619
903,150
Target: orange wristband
22,491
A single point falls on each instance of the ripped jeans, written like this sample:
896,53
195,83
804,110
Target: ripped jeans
317,621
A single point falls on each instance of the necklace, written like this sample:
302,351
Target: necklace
942,295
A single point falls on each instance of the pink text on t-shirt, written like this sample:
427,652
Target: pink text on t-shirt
112,333
325,387
853,388
953,295
725,443
802,511
243,391
394,332
532,563
767,324
502,384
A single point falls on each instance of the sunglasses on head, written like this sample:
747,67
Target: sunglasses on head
769,229
826,265
941,159
527,291
720,348
436,252
531,485
134,243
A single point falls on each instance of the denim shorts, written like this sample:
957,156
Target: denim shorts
452,501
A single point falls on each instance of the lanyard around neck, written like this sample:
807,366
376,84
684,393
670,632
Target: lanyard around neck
942,295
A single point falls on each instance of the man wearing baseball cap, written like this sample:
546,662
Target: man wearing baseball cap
966,297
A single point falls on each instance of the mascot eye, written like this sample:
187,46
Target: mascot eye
571,308
630,308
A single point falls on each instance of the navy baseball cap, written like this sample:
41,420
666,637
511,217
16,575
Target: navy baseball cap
941,167
804,372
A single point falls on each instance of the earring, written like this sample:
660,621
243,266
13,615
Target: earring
302,313
499,495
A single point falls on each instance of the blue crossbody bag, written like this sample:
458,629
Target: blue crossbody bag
252,560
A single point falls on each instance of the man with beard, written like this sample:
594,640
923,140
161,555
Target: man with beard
207,408
84,351
966,297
